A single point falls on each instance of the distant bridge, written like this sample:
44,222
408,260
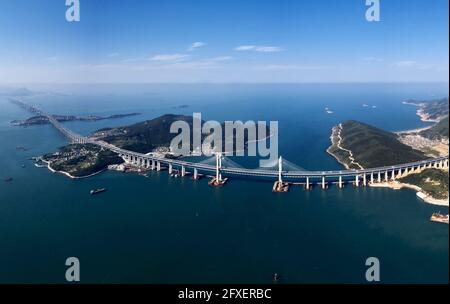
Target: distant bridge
362,177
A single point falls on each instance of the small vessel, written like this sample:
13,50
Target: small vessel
276,278
8,179
97,191
439,218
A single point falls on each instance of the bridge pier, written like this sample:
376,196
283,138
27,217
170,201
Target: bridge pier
379,177
340,182
170,168
324,184
364,180
158,166
393,175
183,171
357,180
195,174
372,179
307,186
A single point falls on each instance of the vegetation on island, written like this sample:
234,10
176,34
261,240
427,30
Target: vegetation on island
370,147
145,136
42,120
438,131
436,109
154,134
433,182
82,160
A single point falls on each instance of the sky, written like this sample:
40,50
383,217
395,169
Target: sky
223,41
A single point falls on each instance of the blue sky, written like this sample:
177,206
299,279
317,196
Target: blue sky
223,41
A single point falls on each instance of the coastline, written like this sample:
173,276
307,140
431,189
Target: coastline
395,185
49,163
424,116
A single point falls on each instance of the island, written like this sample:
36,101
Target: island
357,145
151,136
42,120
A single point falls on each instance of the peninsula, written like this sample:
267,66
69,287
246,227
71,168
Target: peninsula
357,146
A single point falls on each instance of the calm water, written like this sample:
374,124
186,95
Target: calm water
163,230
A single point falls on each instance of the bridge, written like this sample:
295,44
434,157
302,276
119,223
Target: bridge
282,177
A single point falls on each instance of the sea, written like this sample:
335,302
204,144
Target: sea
159,229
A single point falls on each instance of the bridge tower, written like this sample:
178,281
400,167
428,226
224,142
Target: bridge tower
218,167
280,170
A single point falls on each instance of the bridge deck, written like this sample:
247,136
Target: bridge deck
77,138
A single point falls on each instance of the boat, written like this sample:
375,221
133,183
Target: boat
97,191
439,218
276,278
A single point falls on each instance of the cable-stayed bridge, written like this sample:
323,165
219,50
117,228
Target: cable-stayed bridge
282,171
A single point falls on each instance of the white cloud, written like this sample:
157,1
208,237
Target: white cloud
196,45
220,58
289,67
169,57
53,59
258,48
417,65
373,59
406,63
113,55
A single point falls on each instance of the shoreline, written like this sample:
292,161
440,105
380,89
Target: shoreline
395,185
67,174
424,117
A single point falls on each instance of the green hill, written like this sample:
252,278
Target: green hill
371,147
436,109
145,136
439,131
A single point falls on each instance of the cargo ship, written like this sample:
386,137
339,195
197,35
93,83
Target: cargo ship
439,218
97,191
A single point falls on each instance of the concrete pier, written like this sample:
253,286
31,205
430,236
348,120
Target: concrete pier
307,186
324,184
195,174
